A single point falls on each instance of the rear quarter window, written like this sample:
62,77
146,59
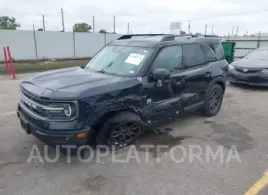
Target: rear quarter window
211,56
217,48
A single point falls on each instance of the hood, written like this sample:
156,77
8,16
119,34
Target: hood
74,83
251,63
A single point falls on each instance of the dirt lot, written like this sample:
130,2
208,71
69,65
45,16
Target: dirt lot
242,122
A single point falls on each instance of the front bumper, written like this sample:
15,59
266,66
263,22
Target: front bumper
54,133
254,79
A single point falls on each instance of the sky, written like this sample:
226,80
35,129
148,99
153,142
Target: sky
144,16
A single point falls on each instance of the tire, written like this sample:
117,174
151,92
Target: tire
128,122
210,100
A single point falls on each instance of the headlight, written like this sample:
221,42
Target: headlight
231,67
67,110
61,111
265,71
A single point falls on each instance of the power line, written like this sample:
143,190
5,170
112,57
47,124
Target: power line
62,19
234,14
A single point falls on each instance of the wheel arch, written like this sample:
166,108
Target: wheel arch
218,81
104,116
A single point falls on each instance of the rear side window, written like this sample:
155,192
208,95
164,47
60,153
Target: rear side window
211,57
218,50
193,55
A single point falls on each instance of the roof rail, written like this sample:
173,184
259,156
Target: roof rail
172,37
134,35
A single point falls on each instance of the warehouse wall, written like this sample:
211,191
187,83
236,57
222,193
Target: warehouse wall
51,45
21,44
245,44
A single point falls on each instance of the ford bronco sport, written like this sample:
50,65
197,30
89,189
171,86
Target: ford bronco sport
128,86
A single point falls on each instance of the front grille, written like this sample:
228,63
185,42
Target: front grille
246,71
44,109
32,103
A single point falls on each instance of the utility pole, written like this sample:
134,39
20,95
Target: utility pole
237,29
93,24
128,28
35,45
206,26
114,24
233,31
44,27
62,20
212,32
189,26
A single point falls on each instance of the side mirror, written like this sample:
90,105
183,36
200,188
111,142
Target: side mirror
161,74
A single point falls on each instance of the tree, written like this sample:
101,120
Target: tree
81,27
102,31
8,23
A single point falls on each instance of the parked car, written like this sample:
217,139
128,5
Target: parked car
129,86
252,69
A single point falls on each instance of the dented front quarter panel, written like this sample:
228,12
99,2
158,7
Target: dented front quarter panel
127,96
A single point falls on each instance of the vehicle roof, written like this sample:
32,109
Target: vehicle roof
160,39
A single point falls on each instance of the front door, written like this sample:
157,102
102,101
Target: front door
163,98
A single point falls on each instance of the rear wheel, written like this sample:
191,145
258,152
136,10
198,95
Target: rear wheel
213,101
121,129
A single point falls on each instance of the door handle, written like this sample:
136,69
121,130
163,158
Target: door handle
207,74
180,82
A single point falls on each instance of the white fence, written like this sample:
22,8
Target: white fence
33,45
245,44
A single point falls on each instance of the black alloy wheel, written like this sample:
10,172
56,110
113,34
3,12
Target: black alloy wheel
125,133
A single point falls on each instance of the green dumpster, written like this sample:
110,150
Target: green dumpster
228,50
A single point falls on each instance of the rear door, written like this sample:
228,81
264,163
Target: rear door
197,74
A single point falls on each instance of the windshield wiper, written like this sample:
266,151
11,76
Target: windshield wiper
100,71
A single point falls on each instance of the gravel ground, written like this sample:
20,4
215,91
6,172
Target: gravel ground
242,123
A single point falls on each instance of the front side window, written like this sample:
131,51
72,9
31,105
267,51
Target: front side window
120,60
193,55
169,58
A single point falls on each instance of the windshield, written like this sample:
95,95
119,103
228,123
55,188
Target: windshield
258,54
119,60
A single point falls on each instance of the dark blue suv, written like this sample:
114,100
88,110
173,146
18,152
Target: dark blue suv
128,86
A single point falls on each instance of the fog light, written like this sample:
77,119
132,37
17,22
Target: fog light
81,135
67,110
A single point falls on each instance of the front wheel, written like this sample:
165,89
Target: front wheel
213,101
121,129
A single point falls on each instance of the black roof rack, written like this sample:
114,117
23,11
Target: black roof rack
172,37
134,35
